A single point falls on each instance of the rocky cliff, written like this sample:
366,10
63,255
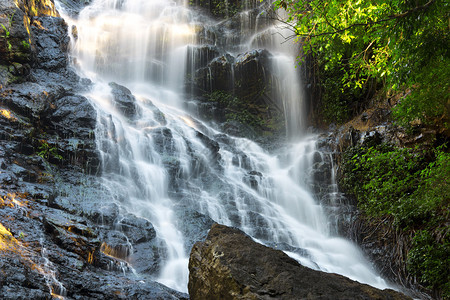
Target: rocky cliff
55,238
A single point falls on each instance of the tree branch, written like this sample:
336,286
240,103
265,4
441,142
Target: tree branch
389,18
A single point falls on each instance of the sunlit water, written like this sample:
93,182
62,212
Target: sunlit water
162,157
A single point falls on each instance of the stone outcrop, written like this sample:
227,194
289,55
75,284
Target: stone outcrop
31,33
230,265
237,91
220,9
124,101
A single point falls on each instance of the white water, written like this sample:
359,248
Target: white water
143,44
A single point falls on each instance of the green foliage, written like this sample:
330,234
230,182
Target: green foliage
428,101
246,113
6,36
47,151
339,103
25,45
382,177
392,43
414,187
429,260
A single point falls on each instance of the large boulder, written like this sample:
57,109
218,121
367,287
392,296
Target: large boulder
230,265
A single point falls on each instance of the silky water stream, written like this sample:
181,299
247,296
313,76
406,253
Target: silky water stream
157,158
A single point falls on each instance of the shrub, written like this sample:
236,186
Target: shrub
413,187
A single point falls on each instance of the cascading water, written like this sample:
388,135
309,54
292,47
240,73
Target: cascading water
157,159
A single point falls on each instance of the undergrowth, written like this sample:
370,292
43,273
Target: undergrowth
413,187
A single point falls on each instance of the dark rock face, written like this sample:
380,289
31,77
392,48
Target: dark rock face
46,248
73,7
125,102
230,265
14,38
219,9
15,50
237,91
50,45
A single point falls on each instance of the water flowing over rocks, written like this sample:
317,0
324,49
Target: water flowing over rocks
233,76
65,232
230,265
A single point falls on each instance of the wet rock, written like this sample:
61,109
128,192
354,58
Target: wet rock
33,35
236,128
163,140
104,214
137,230
217,75
124,101
148,257
14,38
59,125
51,43
53,251
252,74
38,8
348,139
194,225
218,9
72,116
54,217
200,56
253,178
73,7
212,146
219,269
364,117
157,114
116,245
19,100
72,236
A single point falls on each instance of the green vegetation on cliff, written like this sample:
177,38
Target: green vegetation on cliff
413,188
363,46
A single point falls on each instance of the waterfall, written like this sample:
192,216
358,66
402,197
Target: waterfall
158,158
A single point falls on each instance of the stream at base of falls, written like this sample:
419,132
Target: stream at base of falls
162,162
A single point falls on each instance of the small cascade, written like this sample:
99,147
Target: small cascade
56,288
119,257
149,60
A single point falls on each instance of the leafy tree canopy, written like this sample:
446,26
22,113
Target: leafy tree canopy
393,42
